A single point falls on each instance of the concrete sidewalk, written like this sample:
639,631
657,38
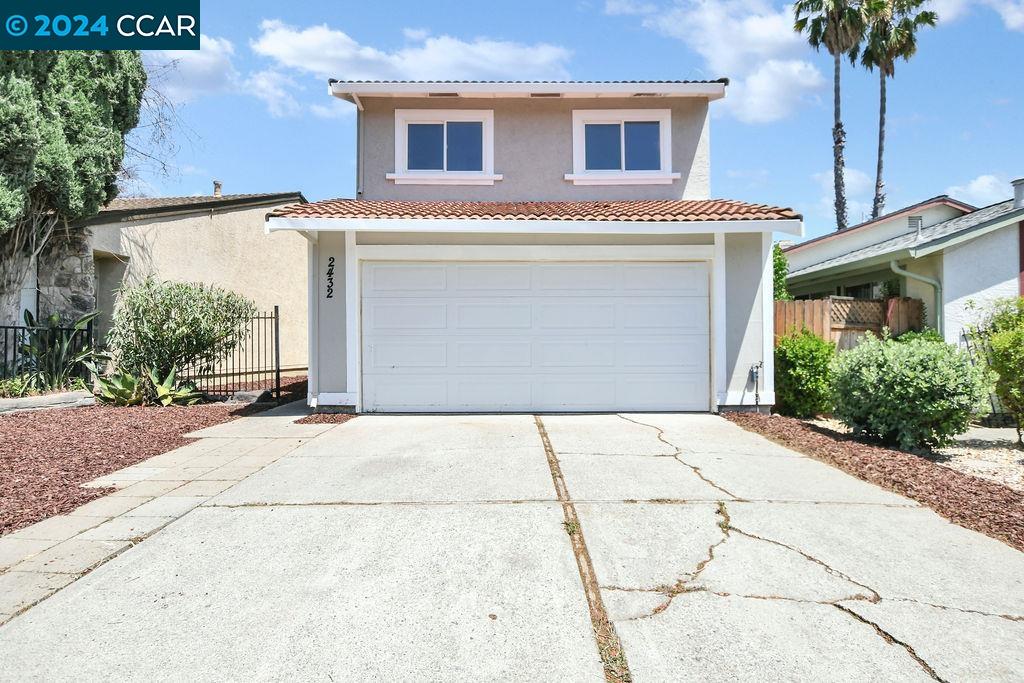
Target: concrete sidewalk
402,547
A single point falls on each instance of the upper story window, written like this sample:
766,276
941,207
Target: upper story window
444,147
622,147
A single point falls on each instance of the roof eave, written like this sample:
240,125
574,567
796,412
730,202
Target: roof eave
790,226
351,92
806,276
946,241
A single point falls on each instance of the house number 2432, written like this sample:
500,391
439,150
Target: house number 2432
330,277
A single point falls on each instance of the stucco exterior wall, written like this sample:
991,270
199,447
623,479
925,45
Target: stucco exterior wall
745,258
976,273
533,150
228,249
744,264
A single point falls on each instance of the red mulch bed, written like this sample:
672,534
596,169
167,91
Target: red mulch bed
46,455
325,418
971,502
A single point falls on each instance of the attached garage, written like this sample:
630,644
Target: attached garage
520,336
464,306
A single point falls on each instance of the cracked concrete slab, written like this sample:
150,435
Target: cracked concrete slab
342,593
755,568
705,637
960,646
623,604
787,479
633,477
495,474
899,552
647,545
603,434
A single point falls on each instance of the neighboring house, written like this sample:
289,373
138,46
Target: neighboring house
537,246
953,256
217,239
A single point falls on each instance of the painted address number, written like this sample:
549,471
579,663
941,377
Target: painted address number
330,277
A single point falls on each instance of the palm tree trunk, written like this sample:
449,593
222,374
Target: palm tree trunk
876,210
838,143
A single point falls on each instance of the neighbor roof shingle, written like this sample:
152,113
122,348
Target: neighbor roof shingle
156,203
636,210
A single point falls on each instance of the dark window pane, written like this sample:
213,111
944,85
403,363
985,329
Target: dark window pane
465,146
426,146
603,146
643,146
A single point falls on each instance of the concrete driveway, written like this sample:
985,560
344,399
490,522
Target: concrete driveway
659,547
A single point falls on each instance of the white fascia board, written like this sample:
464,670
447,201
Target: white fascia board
352,91
526,227
967,235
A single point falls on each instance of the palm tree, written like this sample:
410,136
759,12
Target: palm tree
891,35
839,26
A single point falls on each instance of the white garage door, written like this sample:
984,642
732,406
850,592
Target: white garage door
464,337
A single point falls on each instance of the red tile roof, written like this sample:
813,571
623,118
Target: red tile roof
653,211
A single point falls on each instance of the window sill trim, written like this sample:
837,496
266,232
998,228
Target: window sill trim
443,178
622,178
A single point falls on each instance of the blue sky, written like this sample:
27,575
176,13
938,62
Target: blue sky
256,114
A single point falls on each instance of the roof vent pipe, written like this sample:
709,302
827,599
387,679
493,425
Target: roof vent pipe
217,187
1018,193
916,223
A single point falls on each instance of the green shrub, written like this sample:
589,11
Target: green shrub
1007,360
927,334
160,326
1005,314
125,389
52,356
803,374
914,394
14,387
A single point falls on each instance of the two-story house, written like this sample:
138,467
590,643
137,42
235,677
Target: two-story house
537,246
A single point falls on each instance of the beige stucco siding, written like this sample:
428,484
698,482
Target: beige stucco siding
533,150
228,249
929,266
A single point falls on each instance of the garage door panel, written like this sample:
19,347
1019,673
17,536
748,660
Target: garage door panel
679,354
519,337
576,315
576,353
685,315
501,354
407,354
404,278
399,316
493,315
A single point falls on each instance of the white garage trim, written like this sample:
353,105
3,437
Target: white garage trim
356,255
768,319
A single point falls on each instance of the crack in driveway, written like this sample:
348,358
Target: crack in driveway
609,646
678,455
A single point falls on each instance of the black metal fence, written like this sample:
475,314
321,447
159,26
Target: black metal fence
253,365
981,354
14,359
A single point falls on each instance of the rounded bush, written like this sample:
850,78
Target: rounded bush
803,374
165,326
914,394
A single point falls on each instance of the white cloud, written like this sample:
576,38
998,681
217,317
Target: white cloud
753,43
1010,11
274,88
415,34
325,51
336,109
620,7
773,90
981,191
206,71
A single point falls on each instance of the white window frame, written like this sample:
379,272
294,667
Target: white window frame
404,176
581,176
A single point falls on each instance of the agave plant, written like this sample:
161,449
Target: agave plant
167,393
52,355
120,389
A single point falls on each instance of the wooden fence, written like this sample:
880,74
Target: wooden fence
844,320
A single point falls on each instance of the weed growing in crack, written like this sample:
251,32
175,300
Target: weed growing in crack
571,528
